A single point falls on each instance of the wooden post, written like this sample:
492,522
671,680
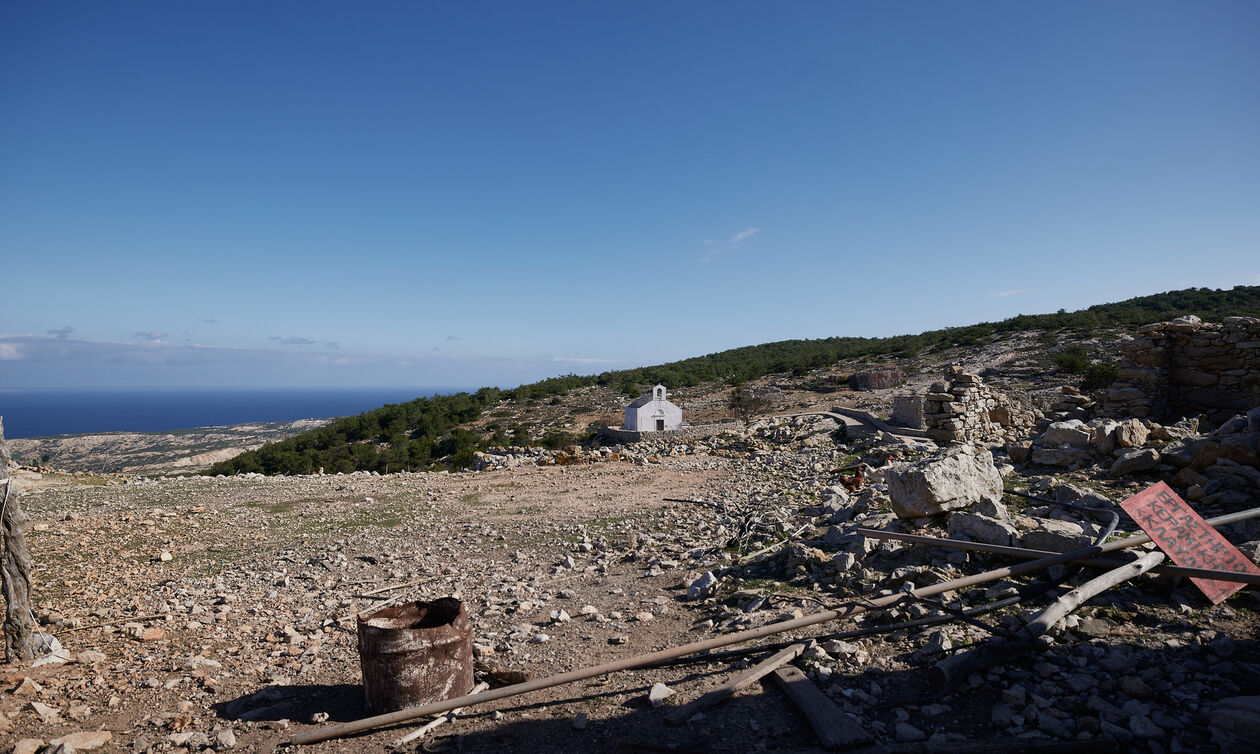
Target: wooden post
15,567
835,729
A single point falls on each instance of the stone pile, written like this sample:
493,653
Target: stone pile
1188,366
963,409
1071,405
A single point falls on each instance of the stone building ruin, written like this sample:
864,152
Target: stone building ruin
1187,367
963,409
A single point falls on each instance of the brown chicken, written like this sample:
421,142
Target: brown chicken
853,483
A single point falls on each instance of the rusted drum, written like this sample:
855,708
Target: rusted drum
414,654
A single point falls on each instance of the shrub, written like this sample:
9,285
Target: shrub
1098,375
1072,360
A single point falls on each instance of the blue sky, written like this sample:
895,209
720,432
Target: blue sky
326,194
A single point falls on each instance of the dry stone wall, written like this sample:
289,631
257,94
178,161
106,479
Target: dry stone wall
963,409
1186,367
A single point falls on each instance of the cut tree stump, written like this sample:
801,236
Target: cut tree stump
15,567
835,730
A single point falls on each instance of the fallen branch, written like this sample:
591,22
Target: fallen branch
743,680
395,587
949,671
777,545
581,674
449,716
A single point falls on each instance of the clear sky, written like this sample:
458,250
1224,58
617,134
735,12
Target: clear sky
468,193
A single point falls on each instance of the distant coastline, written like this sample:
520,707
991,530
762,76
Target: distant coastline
44,412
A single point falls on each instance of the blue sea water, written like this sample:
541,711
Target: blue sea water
39,413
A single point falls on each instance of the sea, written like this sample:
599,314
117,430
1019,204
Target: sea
44,412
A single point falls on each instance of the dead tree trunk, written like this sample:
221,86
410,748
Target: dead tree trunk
15,567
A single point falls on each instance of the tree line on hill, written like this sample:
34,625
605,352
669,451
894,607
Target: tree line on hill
426,432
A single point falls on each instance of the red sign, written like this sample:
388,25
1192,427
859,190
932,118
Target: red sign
1187,539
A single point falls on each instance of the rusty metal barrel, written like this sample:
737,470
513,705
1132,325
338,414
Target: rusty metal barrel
414,654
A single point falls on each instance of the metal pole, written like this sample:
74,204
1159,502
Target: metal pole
1029,554
434,708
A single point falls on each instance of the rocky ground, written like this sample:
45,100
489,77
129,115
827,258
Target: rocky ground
217,613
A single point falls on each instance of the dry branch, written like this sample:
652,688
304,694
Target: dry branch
743,680
952,669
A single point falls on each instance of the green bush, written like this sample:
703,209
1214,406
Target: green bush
1100,374
1072,360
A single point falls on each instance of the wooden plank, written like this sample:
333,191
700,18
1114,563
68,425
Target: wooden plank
835,729
760,670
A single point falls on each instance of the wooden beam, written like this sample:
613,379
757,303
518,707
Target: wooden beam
835,729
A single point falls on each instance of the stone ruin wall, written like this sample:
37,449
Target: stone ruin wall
1187,367
963,409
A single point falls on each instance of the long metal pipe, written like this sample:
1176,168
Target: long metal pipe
434,708
1030,554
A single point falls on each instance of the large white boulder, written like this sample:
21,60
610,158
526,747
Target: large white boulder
1073,432
947,480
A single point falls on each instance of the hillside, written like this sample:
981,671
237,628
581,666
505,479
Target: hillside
448,430
181,451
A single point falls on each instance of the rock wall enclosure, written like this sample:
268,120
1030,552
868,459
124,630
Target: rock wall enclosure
1186,367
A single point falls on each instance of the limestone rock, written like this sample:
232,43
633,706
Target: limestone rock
703,587
1066,456
978,528
659,693
85,740
1131,433
1072,432
1235,724
947,480
1134,461
1055,536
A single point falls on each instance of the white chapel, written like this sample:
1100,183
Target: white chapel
652,413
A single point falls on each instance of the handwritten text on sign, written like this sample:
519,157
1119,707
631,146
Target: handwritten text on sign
1187,539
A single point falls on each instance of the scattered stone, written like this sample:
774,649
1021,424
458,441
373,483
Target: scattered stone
659,693
703,587
85,740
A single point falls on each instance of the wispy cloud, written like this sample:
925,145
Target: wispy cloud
154,335
62,333
715,247
292,340
453,337
1012,292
